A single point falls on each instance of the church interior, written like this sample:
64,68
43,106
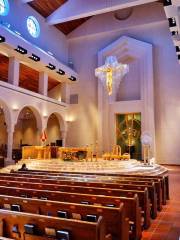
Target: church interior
89,119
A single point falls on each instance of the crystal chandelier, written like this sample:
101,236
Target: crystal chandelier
111,73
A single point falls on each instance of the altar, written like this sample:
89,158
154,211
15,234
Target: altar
54,152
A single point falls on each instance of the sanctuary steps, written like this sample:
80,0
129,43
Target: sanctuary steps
99,166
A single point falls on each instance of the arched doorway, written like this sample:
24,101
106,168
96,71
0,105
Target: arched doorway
54,131
26,131
3,134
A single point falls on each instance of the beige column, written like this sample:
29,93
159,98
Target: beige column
13,72
65,93
9,159
63,136
43,83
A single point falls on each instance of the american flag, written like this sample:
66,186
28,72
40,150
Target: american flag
43,136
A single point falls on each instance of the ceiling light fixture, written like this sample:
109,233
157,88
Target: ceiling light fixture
35,58
167,3
178,49
72,78
2,39
51,66
61,72
172,22
21,50
174,33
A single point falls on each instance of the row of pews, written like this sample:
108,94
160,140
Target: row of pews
43,205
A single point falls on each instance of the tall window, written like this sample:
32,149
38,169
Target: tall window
33,26
4,7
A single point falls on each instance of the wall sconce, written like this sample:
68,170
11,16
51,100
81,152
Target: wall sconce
15,108
45,115
70,119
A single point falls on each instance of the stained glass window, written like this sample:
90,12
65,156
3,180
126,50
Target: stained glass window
4,7
33,27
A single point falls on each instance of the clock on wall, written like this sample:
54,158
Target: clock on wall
33,26
4,7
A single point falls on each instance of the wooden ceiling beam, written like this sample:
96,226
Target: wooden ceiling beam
76,9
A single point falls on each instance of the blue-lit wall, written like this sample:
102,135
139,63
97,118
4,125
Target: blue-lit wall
50,38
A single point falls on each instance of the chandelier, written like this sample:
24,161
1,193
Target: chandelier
111,73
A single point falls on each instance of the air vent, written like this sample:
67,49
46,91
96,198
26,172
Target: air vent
74,99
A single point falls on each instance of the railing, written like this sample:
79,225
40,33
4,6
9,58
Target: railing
32,94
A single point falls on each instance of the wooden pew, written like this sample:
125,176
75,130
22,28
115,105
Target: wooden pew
131,204
153,188
163,177
78,229
88,186
159,185
115,222
143,195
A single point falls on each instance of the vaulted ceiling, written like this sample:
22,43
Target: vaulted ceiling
67,15
47,7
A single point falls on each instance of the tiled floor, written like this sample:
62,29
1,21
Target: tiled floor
167,225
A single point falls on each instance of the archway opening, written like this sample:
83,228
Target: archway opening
3,136
54,131
25,133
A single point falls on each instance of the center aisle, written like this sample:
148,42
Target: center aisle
167,225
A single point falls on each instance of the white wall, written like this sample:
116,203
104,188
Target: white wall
50,39
147,23
129,88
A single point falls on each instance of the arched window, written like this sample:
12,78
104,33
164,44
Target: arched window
4,7
33,27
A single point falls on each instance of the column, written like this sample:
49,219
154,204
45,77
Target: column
65,93
13,72
43,83
63,136
9,160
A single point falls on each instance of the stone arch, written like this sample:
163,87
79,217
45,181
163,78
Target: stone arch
36,114
62,124
61,120
28,127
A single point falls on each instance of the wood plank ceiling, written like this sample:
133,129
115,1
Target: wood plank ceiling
28,77
46,7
